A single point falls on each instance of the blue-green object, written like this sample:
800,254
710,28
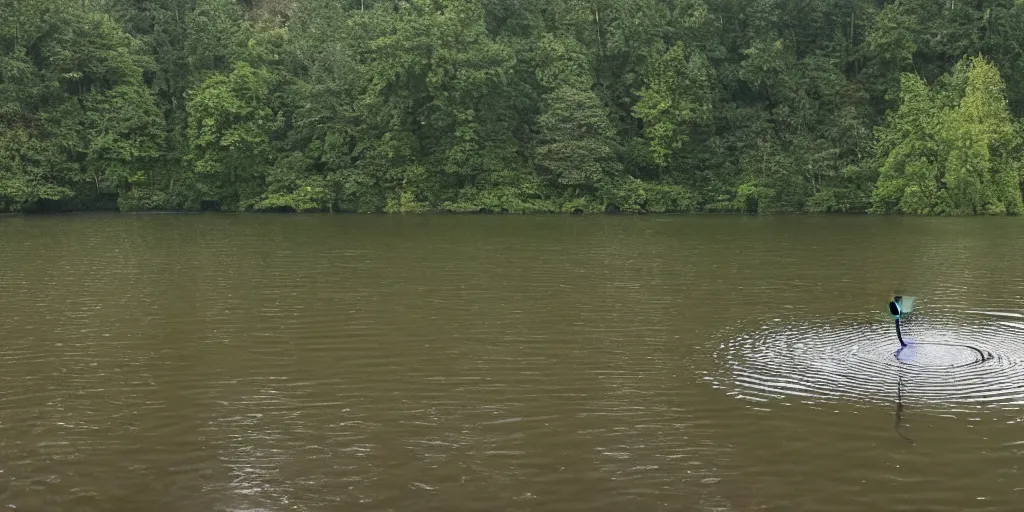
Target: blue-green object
900,305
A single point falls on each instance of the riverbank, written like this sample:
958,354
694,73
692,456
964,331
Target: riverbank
576,208
698,213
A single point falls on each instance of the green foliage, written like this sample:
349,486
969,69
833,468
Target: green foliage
951,149
503,191
229,127
77,119
636,106
678,96
576,144
632,195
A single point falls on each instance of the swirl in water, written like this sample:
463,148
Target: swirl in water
910,350
947,361
931,354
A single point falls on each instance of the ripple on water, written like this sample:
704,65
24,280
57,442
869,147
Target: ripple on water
953,362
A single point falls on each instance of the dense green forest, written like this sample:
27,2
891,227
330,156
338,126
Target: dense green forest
906,106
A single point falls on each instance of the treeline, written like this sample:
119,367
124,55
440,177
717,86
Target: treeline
906,106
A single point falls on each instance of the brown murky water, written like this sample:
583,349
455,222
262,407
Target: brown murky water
272,363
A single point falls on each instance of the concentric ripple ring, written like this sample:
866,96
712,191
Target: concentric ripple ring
951,361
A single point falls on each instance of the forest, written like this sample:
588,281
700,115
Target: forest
513,106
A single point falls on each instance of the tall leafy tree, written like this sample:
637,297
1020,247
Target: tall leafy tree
576,145
950,149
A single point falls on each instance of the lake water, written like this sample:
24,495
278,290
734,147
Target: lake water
484,363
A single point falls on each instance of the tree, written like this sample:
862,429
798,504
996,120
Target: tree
576,143
951,149
230,124
79,123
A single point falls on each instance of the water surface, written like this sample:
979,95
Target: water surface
263,362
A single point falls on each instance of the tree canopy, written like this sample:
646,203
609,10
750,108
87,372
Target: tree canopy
758,106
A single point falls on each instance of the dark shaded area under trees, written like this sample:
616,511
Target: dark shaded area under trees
764,106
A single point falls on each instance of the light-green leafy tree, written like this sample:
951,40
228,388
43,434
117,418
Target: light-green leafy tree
951,149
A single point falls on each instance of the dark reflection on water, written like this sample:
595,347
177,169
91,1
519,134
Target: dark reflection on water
219,362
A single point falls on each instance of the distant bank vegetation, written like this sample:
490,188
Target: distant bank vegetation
761,106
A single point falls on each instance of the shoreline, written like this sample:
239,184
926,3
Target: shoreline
444,213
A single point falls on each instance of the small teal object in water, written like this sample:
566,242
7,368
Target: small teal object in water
900,305
894,309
